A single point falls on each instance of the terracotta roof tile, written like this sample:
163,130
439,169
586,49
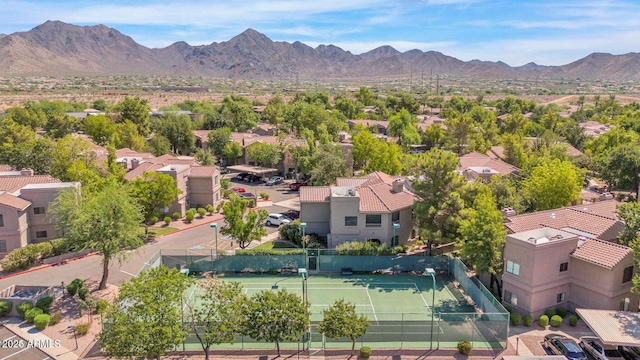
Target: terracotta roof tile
167,159
126,152
310,194
367,123
381,198
602,253
137,172
479,160
15,183
5,167
203,171
13,201
203,135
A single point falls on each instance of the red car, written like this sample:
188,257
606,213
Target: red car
238,189
296,185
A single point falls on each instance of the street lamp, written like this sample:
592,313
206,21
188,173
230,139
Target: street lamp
215,226
396,227
303,226
430,271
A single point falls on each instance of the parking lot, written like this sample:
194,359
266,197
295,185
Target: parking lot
280,195
15,347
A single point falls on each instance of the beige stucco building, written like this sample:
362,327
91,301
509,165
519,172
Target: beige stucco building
359,209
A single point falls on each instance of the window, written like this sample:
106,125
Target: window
3,246
39,211
628,274
350,221
395,217
217,197
1,221
41,234
513,268
564,266
560,297
510,298
216,180
374,220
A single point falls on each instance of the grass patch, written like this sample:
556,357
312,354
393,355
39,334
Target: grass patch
275,245
161,231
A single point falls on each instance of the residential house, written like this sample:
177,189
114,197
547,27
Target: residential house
475,165
24,202
567,257
359,209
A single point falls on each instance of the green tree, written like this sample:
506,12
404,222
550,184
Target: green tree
73,159
12,132
438,204
264,154
217,140
127,136
154,190
274,111
376,154
204,157
629,213
276,317
243,224
232,152
514,153
136,111
238,113
59,125
158,145
144,320
35,155
178,130
100,129
329,164
403,125
340,320
483,236
553,184
219,314
365,96
106,221
620,167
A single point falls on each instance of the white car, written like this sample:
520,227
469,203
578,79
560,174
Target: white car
598,350
277,220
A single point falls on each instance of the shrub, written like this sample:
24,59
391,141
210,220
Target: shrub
45,249
365,352
32,313
202,212
515,318
210,209
78,282
153,220
41,321
5,308
273,271
543,321
23,307
291,232
528,320
83,293
189,217
367,248
61,246
83,329
176,215
21,258
56,318
44,303
72,289
561,311
256,252
573,320
464,347
550,313
219,206
167,220
264,195
556,321
101,306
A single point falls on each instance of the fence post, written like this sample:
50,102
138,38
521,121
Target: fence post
402,331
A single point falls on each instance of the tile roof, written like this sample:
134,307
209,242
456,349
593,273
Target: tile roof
5,167
202,134
15,202
137,172
601,253
311,194
15,183
126,152
167,159
475,159
594,219
367,123
203,171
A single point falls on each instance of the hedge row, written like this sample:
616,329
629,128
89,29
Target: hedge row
26,256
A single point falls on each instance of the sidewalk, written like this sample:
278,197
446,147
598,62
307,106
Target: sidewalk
29,333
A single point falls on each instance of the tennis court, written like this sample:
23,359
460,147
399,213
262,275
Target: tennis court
399,307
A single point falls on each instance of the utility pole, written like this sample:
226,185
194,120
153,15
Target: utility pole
438,84
430,81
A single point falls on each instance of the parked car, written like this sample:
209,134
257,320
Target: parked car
594,347
223,170
275,180
238,189
277,220
292,214
562,345
296,185
629,352
242,176
252,178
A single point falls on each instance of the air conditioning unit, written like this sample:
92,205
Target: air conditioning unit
351,192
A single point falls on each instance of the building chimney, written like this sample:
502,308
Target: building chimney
26,172
508,212
606,196
398,186
135,163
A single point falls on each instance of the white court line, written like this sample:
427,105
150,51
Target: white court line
128,273
335,286
189,298
327,305
372,308
425,301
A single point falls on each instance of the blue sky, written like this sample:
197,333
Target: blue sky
513,31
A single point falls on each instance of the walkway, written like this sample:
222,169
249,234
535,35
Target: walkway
41,342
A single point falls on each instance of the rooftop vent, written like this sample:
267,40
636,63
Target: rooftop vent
581,240
507,212
26,172
351,192
397,186
553,215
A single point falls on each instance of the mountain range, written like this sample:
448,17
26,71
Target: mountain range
56,48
